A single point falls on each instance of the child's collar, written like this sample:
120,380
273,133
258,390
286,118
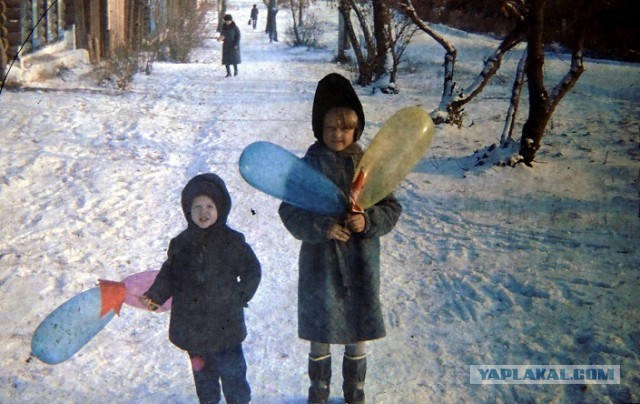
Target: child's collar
353,148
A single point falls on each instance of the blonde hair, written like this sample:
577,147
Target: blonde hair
346,118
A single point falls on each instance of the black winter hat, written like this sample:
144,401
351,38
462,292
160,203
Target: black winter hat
334,91
209,185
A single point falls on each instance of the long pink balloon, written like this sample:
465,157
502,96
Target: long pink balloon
139,283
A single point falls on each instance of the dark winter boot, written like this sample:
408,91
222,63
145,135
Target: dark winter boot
354,371
320,375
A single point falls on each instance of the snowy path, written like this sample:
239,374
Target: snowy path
487,265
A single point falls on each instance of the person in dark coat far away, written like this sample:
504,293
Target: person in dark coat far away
254,16
211,273
339,262
230,37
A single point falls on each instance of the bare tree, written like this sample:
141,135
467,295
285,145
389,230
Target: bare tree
541,104
222,10
272,26
382,34
305,28
363,60
343,41
385,34
529,25
401,33
297,8
372,52
455,97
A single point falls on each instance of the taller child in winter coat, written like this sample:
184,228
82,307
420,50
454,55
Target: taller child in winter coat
211,273
339,263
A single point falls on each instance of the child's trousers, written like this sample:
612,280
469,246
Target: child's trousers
228,367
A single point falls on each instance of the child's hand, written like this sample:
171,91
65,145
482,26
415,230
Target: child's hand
148,303
355,222
337,232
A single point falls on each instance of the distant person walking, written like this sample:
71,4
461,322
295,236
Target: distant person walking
254,16
230,37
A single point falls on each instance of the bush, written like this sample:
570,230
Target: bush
306,34
179,30
121,67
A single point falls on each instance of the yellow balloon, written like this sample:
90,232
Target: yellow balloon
396,149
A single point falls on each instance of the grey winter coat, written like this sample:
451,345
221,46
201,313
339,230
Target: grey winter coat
230,44
338,287
210,273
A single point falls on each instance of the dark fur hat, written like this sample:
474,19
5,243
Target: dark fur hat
212,186
334,91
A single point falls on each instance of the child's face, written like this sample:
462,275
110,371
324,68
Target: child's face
203,211
334,135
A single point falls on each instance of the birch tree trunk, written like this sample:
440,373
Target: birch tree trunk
343,40
510,120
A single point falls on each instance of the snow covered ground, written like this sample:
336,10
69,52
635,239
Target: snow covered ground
487,265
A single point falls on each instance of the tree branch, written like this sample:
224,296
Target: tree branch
344,8
492,64
577,67
371,48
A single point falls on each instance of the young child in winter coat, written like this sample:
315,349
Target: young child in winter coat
211,273
339,262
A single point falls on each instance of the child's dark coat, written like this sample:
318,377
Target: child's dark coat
210,273
338,288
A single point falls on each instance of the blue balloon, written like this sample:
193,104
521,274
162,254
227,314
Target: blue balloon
279,173
69,327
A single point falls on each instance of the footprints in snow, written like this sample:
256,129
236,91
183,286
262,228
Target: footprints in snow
471,297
